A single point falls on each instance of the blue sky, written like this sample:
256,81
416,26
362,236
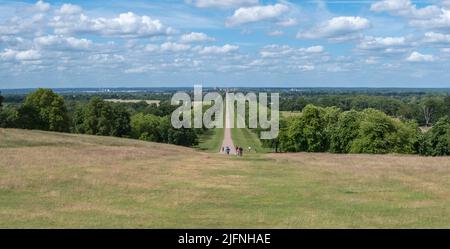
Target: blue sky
351,43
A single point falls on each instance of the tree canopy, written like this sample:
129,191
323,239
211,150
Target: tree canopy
44,110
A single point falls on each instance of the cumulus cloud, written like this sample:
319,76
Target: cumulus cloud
41,6
377,43
336,28
219,49
29,20
195,37
224,4
106,58
304,68
126,25
288,22
432,37
418,57
277,51
61,42
428,17
174,47
256,13
69,9
25,55
275,33
405,8
438,21
167,47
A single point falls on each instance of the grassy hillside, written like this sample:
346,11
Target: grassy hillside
64,180
211,141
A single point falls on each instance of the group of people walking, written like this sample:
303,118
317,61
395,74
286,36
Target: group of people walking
227,149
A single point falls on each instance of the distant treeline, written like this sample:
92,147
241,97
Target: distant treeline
425,109
46,110
335,123
330,129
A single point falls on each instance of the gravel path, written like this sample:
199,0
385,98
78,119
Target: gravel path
227,140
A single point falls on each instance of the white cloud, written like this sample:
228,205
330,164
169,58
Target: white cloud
288,22
337,27
219,49
25,55
167,47
126,25
61,42
405,8
41,6
313,49
256,13
106,58
438,21
151,48
224,4
276,33
432,37
428,17
26,21
174,47
307,67
11,40
195,37
69,9
277,51
371,60
376,43
418,57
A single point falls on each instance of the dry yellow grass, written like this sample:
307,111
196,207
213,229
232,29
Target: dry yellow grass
65,180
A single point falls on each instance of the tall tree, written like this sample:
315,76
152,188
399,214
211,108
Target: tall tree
432,108
44,110
438,138
99,117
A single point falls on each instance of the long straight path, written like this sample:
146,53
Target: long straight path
227,140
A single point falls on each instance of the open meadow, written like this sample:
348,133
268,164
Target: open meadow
57,180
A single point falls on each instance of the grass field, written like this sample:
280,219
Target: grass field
211,140
53,180
244,138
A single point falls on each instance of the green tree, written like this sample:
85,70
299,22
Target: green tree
437,139
147,127
379,134
8,117
182,136
44,110
432,109
102,118
347,129
121,125
309,131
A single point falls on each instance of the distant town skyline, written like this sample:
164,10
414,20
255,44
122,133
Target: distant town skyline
224,43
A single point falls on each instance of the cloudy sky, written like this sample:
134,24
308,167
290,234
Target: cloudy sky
358,43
